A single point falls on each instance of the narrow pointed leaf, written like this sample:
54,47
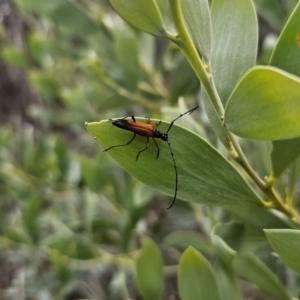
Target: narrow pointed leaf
235,37
254,270
265,105
142,14
234,49
286,243
286,56
227,283
149,271
196,278
197,17
204,175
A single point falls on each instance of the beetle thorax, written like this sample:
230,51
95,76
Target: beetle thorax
160,135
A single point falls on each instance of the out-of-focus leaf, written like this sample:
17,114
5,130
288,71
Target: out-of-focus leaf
64,13
255,271
204,175
197,17
265,105
96,175
72,246
183,81
127,56
48,86
142,14
62,156
286,243
273,13
16,234
149,269
182,239
227,283
225,253
31,219
14,58
196,278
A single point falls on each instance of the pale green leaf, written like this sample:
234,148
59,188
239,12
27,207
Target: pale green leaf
233,53
265,105
142,14
286,56
215,122
286,243
149,271
227,283
197,17
196,278
184,238
204,175
127,57
235,37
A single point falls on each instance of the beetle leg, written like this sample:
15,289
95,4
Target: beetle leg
147,146
129,142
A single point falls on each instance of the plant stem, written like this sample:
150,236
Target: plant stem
186,45
126,94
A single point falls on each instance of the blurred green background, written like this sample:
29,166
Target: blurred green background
71,220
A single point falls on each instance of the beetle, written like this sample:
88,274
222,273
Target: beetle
149,130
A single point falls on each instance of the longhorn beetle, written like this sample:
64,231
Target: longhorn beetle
149,130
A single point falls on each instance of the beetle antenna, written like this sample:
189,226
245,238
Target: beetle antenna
176,175
187,112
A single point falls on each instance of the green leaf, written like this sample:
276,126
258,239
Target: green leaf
14,57
215,121
197,17
286,56
233,53
287,50
227,283
142,14
255,271
149,271
235,37
183,81
16,234
272,13
196,278
286,243
62,156
283,154
31,217
204,175
184,238
265,105
63,13
72,246
127,54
